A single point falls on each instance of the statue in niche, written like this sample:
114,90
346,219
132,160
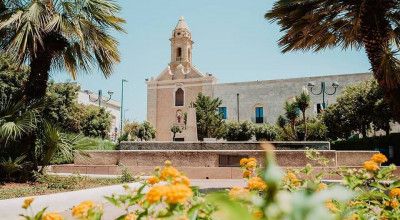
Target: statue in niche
179,116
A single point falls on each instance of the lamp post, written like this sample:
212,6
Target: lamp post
99,98
323,91
122,104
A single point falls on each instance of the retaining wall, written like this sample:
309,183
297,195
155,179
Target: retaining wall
231,145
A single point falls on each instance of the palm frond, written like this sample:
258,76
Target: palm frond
16,120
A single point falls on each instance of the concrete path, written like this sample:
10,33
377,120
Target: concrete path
62,202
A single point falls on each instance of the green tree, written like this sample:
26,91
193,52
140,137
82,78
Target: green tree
372,24
70,35
303,102
96,121
12,78
146,131
209,121
175,129
291,114
62,108
239,131
360,108
131,129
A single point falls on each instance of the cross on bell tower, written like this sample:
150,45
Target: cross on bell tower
181,46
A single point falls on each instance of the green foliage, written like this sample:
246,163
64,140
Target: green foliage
317,130
209,122
236,131
47,184
265,132
360,108
75,40
303,102
126,176
175,129
96,121
131,129
51,141
62,107
12,77
146,131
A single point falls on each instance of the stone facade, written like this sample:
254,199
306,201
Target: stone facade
258,101
271,95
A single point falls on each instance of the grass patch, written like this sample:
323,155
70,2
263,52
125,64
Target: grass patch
48,184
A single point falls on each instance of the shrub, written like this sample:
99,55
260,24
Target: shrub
270,193
265,132
239,131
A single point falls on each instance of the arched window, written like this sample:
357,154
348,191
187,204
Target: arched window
178,53
189,54
179,97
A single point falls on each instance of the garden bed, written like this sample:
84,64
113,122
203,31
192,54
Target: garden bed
54,184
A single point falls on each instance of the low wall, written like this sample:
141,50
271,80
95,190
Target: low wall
200,146
214,158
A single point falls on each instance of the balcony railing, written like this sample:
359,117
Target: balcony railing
179,59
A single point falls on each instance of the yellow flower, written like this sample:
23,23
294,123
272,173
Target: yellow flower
130,216
238,192
167,163
321,186
52,216
256,183
82,209
247,174
371,165
379,158
394,204
292,178
251,164
153,180
243,162
182,180
258,214
178,193
156,193
394,192
27,202
169,172
331,206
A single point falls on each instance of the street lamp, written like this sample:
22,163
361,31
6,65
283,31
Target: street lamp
122,104
99,98
323,91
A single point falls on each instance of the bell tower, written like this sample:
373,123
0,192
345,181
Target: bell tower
181,46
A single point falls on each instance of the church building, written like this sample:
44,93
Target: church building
170,94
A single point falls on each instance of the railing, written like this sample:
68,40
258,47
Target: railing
179,59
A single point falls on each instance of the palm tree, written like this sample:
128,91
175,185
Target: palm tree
292,113
303,102
372,24
60,34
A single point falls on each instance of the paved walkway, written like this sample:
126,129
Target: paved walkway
62,202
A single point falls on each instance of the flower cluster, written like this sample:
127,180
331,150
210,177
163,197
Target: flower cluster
169,185
249,166
42,215
273,195
375,162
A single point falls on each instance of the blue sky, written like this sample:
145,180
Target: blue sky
232,40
